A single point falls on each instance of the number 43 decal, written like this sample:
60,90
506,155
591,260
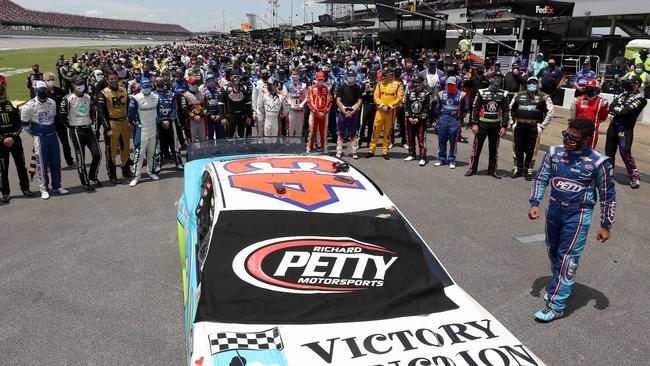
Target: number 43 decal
307,182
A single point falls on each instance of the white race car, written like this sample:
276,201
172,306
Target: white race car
303,261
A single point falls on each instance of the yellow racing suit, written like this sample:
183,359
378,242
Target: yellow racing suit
388,94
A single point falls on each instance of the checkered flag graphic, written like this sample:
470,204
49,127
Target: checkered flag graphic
257,341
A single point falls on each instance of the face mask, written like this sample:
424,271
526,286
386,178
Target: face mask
42,94
532,88
295,78
452,89
80,89
552,66
146,91
50,83
591,92
585,68
638,71
320,82
265,77
351,79
35,71
138,78
211,84
113,84
193,88
99,77
628,86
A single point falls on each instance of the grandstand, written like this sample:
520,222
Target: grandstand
14,18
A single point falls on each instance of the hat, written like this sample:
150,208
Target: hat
2,79
79,82
432,62
451,80
320,75
634,79
39,84
531,79
591,84
497,63
540,54
193,80
160,82
145,83
209,76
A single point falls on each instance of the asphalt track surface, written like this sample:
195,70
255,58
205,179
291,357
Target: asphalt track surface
94,278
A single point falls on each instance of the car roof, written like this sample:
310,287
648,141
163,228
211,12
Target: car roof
295,182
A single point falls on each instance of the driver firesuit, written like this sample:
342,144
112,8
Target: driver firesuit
416,115
531,112
113,103
193,106
591,107
295,94
213,101
490,116
451,109
319,100
575,176
237,105
625,109
272,109
389,94
167,116
143,116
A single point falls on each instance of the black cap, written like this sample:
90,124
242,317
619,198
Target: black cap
634,79
79,82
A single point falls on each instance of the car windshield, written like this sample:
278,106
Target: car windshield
287,267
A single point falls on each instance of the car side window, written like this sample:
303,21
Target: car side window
204,218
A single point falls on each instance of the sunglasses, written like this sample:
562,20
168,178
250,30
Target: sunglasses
567,136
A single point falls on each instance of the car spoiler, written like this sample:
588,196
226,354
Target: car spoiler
245,146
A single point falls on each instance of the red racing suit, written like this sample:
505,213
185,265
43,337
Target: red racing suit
319,100
594,109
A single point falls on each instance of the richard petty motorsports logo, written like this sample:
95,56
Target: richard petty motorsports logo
312,265
567,185
308,182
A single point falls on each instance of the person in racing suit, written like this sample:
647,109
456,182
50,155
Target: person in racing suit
576,173
531,111
295,95
272,108
194,109
348,101
319,101
167,116
625,109
369,107
416,113
451,109
143,116
238,108
259,90
389,94
180,86
75,115
113,104
39,115
213,100
591,107
489,120
11,144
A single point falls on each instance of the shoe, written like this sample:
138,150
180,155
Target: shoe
409,158
385,156
355,156
390,146
406,146
495,175
423,162
180,167
470,172
45,194
133,183
70,164
183,147
96,183
115,181
528,177
463,140
61,191
370,155
153,176
88,187
516,173
28,193
5,198
634,183
547,315
452,165
438,163
339,154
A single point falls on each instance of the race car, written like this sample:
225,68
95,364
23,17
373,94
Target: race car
302,260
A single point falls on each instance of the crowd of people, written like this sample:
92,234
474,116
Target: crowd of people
161,98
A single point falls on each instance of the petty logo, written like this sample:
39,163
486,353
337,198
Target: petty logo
567,185
308,183
312,265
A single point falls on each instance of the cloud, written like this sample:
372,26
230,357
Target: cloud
94,13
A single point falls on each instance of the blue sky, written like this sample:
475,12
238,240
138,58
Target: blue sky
195,15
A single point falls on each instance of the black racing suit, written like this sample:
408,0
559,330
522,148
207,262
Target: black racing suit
490,113
369,109
57,94
238,107
530,113
10,127
416,115
625,109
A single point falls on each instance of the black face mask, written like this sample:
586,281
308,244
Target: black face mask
628,86
41,94
265,76
113,85
591,92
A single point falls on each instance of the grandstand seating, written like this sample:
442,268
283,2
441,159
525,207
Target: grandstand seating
12,14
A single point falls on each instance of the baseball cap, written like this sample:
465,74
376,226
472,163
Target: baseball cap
320,75
2,79
532,79
193,80
591,84
451,80
39,84
145,83
540,54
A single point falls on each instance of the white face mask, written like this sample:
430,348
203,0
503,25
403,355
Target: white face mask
638,70
320,82
99,77
80,88
295,78
50,83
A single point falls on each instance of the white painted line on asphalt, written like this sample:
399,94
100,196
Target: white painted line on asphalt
531,238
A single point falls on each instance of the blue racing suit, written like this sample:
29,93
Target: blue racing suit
451,110
38,118
215,108
167,111
575,179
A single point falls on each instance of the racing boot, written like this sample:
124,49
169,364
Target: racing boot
547,315
516,173
634,183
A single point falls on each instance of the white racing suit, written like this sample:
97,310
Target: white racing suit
295,95
273,111
143,115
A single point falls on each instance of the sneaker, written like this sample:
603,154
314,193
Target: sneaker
452,165
88,187
61,191
516,173
463,140
390,146
495,175
409,158
339,154
5,198
470,172
153,176
423,162
386,157
438,163
180,167
28,193
96,183
406,146
370,155
528,177
133,183
45,194
548,315
634,183
355,156
115,181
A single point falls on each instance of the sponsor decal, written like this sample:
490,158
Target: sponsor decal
567,185
589,166
571,269
248,348
554,167
547,10
492,106
314,265
574,170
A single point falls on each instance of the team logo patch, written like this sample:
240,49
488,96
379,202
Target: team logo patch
416,107
589,166
312,265
571,269
492,106
567,185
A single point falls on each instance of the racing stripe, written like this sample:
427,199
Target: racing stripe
535,192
